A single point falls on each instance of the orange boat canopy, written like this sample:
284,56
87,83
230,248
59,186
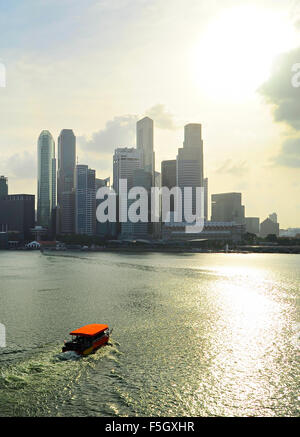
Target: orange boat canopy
90,330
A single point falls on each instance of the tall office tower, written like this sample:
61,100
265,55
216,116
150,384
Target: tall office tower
125,162
144,142
190,162
46,194
103,229
85,201
273,217
168,173
205,182
66,182
227,207
168,178
142,178
156,226
3,186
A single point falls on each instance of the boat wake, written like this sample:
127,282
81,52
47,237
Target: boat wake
68,356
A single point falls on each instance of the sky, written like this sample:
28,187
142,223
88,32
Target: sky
98,66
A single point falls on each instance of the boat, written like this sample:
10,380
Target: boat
87,339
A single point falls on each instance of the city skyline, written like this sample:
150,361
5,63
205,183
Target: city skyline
65,74
76,182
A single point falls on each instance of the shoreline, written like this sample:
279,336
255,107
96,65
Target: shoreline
289,250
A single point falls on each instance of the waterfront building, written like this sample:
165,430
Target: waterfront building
46,191
125,162
220,231
168,177
85,201
104,229
252,225
189,170
142,230
205,183
17,214
144,143
269,227
66,182
3,186
3,240
227,207
290,233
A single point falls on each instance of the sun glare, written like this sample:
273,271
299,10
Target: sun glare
236,51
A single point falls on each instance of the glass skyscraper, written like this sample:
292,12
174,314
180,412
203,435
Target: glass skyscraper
46,179
85,201
66,182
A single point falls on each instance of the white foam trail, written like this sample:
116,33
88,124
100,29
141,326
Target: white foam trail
69,355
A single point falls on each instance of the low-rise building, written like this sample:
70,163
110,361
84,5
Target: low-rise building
268,227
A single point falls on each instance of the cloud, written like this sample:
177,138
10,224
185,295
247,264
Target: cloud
21,166
289,155
280,93
236,169
162,118
285,99
119,132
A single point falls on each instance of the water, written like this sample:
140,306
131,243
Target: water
194,334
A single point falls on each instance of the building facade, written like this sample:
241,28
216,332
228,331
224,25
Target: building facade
252,225
168,177
125,162
85,201
17,214
219,231
3,186
189,170
205,183
145,143
46,191
227,207
66,182
268,227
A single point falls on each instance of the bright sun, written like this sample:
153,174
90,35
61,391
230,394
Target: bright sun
236,52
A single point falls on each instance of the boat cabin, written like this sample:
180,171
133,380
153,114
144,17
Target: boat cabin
87,336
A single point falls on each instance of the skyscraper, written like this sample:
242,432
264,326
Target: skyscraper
144,142
46,201
66,182
168,173
168,178
85,202
125,162
104,229
3,186
205,183
190,162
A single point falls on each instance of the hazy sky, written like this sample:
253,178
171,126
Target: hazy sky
97,65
